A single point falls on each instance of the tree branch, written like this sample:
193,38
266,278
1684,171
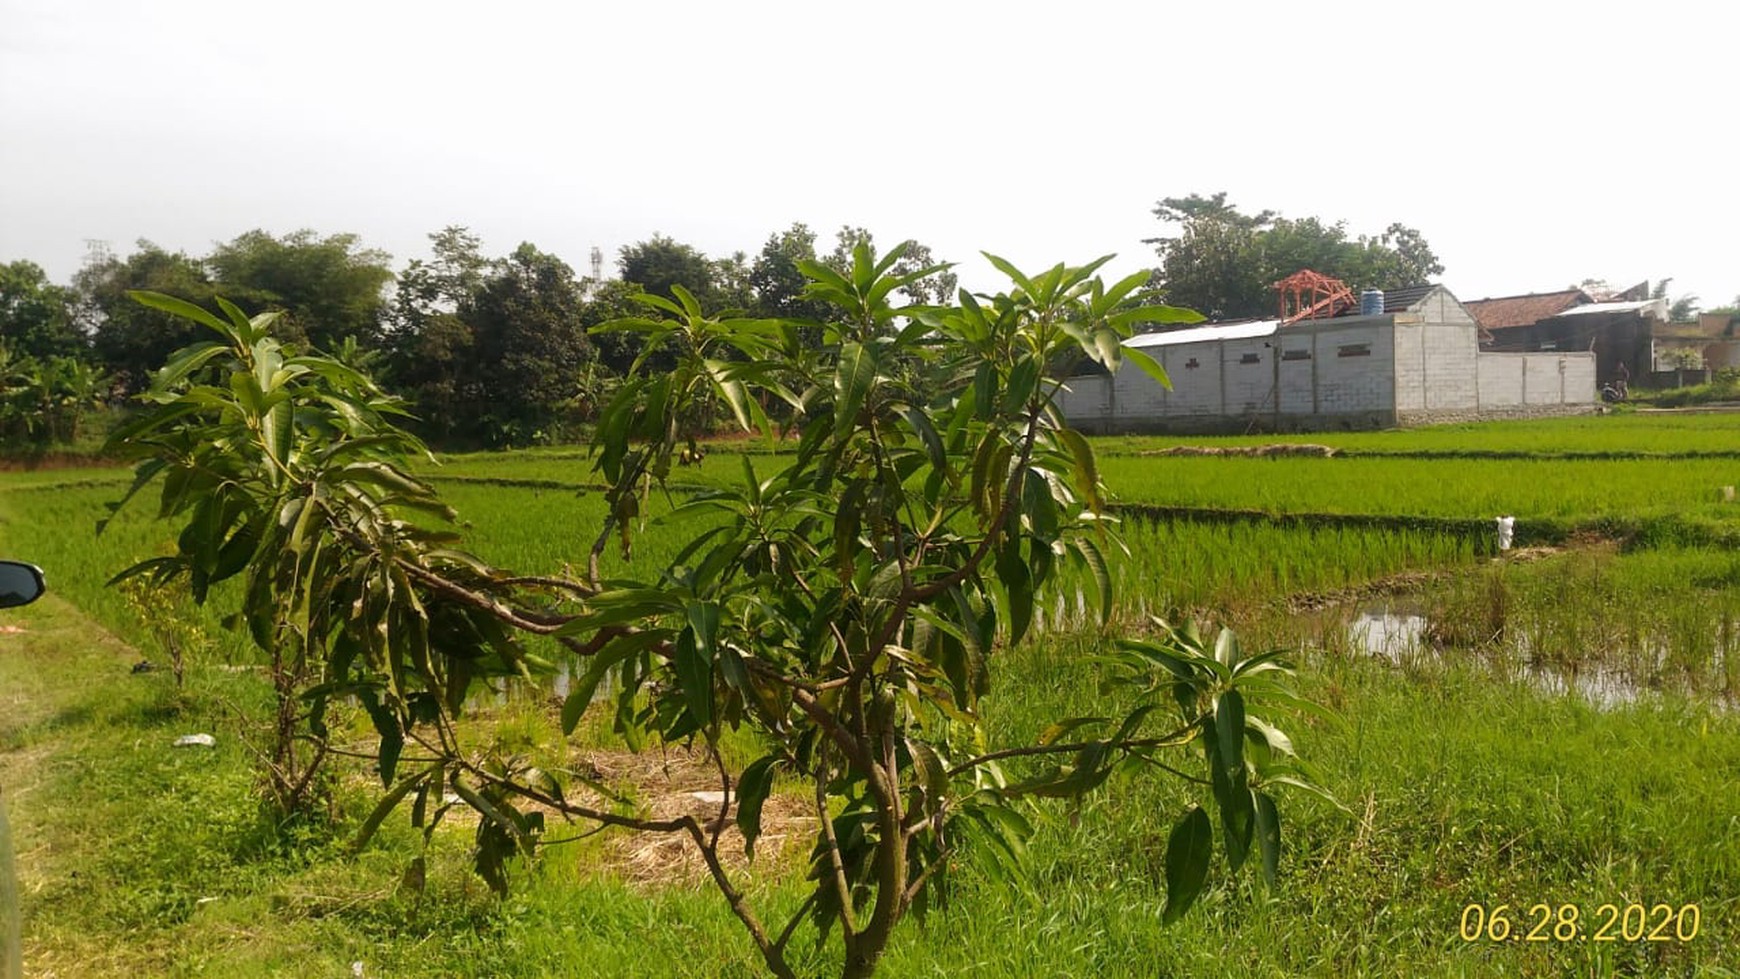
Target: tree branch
1171,740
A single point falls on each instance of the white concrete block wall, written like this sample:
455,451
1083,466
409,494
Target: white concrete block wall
1450,378
1136,395
1543,381
1298,376
1510,380
1410,366
1581,384
1349,383
1083,400
1501,380
1195,372
1248,370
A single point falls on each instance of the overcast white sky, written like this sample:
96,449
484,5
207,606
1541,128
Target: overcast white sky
1534,144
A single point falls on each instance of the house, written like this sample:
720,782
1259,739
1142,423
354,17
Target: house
1416,361
1709,345
1618,330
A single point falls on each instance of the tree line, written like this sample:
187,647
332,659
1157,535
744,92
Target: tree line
489,351
496,351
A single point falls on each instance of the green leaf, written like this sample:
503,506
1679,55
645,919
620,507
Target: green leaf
1087,473
614,652
1017,581
1155,314
183,309
1268,836
1012,272
919,420
932,775
1023,381
1230,785
1229,729
1096,562
853,379
694,661
382,809
752,789
1148,365
1188,851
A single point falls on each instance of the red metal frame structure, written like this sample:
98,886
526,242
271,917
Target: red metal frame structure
1308,295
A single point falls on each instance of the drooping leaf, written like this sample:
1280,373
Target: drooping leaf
752,789
1188,851
1268,834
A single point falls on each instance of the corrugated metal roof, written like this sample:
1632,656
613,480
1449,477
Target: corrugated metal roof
1631,307
1203,334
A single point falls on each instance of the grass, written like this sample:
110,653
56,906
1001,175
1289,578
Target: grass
1465,783
138,858
1624,433
1555,488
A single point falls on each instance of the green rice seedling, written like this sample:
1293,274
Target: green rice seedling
1601,435
1577,490
1231,566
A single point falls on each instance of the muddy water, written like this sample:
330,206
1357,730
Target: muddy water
1400,634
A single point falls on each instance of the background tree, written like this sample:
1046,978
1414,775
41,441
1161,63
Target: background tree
529,343
1681,310
1225,262
330,288
431,350
731,288
776,280
661,262
129,339
36,316
609,300
448,279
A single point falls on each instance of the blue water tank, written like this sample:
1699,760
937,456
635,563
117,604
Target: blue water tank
1371,302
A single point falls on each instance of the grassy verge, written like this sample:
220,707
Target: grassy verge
137,858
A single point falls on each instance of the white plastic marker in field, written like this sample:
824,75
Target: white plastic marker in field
1506,531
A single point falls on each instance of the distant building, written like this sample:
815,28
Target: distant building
1618,331
1710,344
1416,362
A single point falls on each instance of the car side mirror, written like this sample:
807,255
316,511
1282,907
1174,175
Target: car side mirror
20,584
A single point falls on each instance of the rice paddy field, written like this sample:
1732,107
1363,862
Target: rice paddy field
1526,737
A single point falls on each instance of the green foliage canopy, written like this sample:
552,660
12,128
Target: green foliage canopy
1225,262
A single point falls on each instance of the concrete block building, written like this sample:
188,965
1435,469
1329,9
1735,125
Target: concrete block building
1418,361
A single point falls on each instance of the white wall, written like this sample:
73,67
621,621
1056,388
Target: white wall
1348,384
1510,380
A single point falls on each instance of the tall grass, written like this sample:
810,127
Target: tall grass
1665,619
1228,568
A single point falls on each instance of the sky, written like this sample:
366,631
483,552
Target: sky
1534,144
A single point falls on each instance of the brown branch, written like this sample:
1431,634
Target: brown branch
842,887
551,582
797,918
912,889
772,954
1164,741
538,624
849,745
718,826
